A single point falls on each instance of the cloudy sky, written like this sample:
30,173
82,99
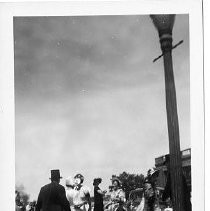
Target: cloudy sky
88,98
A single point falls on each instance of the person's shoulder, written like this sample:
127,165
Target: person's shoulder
85,189
96,188
60,187
55,186
51,185
45,186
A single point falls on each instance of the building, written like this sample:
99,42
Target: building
186,167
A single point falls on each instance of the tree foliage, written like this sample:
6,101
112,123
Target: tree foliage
130,182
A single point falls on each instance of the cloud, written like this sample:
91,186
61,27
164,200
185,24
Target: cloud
89,99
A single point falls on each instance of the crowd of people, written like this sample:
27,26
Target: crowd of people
20,205
76,196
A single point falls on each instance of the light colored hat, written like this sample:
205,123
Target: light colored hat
117,180
69,181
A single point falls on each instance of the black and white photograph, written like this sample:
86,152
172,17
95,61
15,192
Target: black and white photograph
103,112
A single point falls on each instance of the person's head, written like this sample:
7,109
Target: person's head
97,181
147,184
167,161
78,179
116,183
55,175
69,182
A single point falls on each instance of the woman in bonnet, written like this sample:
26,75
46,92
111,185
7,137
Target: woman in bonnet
81,199
98,195
70,192
117,198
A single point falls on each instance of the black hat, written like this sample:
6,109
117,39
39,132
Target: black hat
97,180
55,174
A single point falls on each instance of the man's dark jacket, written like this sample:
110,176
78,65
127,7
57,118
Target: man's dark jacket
52,197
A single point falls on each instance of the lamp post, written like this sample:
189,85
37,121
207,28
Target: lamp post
164,25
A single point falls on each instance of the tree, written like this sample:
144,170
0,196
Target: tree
130,182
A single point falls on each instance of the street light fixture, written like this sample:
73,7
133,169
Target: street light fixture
164,25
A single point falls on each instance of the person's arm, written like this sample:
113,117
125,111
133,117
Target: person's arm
63,200
87,195
122,196
38,205
106,206
99,191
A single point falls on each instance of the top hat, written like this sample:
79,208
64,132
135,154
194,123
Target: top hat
55,174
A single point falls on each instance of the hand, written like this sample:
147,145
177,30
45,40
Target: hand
76,206
116,200
107,205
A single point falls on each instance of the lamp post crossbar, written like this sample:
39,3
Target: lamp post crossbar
179,43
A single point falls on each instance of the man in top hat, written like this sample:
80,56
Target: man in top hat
52,197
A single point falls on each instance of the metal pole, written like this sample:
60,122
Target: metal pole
173,125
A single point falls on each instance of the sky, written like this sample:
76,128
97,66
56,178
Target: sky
89,99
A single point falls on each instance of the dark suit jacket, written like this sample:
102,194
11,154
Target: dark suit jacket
52,197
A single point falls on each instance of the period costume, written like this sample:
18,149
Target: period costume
80,197
98,200
77,194
98,195
117,198
52,197
70,192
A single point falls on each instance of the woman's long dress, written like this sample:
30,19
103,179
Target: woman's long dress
98,200
80,197
116,195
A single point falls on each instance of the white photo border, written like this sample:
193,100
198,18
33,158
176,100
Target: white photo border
7,107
